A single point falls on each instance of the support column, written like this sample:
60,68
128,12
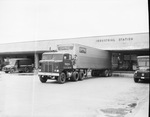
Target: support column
36,61
1,62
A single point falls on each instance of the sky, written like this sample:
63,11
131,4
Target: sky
31,20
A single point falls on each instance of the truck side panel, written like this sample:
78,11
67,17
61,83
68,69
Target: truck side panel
88,57
92,62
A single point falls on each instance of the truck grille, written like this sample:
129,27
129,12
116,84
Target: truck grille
46,67
141,74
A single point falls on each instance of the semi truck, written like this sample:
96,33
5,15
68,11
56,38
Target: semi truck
72,62
143,70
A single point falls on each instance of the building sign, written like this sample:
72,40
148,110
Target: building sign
126,39
105,40
65,48
113,40
82,50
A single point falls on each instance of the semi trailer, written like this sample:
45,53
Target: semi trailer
72,62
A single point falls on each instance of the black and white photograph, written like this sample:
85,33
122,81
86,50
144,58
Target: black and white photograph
74,58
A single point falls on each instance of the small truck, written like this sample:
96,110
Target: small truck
143,70
72,62
18,65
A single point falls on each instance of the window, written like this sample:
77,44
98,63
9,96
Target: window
66,56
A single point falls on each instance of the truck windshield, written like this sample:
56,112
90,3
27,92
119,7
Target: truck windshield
143,62
12,62
52,57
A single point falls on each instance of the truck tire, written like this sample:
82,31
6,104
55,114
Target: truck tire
27,70
110,73
106,73
136,80
11,71
62,78
81,75
93,73
43,79
75,76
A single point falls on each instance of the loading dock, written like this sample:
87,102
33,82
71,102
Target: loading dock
124,48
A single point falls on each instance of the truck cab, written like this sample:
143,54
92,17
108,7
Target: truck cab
143,70
53,64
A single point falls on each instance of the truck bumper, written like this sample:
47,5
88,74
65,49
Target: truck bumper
141,78
47,74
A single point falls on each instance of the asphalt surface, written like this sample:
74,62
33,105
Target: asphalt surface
23,95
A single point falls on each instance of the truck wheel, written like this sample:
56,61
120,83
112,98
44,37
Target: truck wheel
110,73
93,73
81,75
62,78
27,70
75,76
11,71
136,79
106,73
43,79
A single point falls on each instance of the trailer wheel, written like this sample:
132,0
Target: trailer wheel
110,73
75,76
62,78
93,73
106,73
43,79
81,75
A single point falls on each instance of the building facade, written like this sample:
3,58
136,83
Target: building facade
124,48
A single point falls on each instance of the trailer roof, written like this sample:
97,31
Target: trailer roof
55,53
19,59
143,57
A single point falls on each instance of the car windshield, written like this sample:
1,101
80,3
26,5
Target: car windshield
12,62
143,62
52,57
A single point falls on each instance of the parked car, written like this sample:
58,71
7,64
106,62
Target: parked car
143,70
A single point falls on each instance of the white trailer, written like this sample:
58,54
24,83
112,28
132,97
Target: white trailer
87,57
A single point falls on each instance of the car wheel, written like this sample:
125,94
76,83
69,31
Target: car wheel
136,79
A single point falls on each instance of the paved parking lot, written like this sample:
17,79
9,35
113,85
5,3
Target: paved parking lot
23,95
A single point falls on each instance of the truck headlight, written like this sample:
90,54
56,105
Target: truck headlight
56,70
135,73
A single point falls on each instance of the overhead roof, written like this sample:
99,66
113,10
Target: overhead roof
135,41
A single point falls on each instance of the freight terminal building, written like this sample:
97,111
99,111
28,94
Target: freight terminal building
124,48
